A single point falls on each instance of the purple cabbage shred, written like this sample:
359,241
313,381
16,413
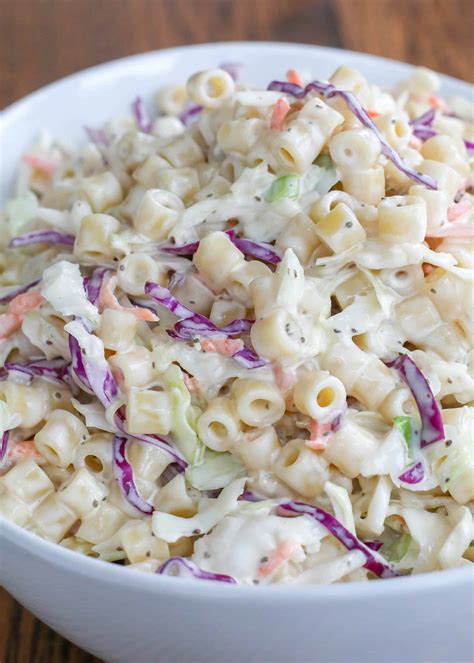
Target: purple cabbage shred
18,290
414,474
123,473
181,567
432,429
328,91
42,237
374,562
141,116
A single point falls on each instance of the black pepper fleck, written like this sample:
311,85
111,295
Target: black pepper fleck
48,342
207,555
264,559
433,290
448,443
337,331
95,503
349,224
196,531
148,553
122,268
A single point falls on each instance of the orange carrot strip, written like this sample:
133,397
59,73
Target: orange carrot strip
415,143
42,164
319,435
25,449
372,113
280,111
281,554
107,299
227,347
427,268
454,230
458,211
293,77
436,102
25,302
9,323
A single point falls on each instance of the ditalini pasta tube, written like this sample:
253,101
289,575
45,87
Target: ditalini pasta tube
319,395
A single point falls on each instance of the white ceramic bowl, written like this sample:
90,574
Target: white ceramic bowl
130,617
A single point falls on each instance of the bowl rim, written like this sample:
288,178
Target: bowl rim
110,573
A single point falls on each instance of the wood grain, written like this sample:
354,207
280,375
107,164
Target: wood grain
43,40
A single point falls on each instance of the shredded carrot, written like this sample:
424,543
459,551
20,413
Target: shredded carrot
427,268
373,114
107,299
25,302
227,347
9,323
415,143
41,164
20,450
319,435
453,230
439,104
281,554
293,77
458,211
280,111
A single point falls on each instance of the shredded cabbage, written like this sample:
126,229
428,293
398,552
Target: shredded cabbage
63,288
183,416
171,528
216,470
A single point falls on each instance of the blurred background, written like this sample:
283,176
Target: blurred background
43,40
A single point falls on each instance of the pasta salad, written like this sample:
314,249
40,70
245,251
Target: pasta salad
236,333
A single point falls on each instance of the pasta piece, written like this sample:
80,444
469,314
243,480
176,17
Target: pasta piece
219,426
158,213
304,470
28,483
210,88
53,519
59,438
148,411
402,219
82,493
319,395
257,402
102,191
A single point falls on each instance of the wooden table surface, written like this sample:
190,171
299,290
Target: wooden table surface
42,40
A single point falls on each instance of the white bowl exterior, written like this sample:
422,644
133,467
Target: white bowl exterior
125,616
